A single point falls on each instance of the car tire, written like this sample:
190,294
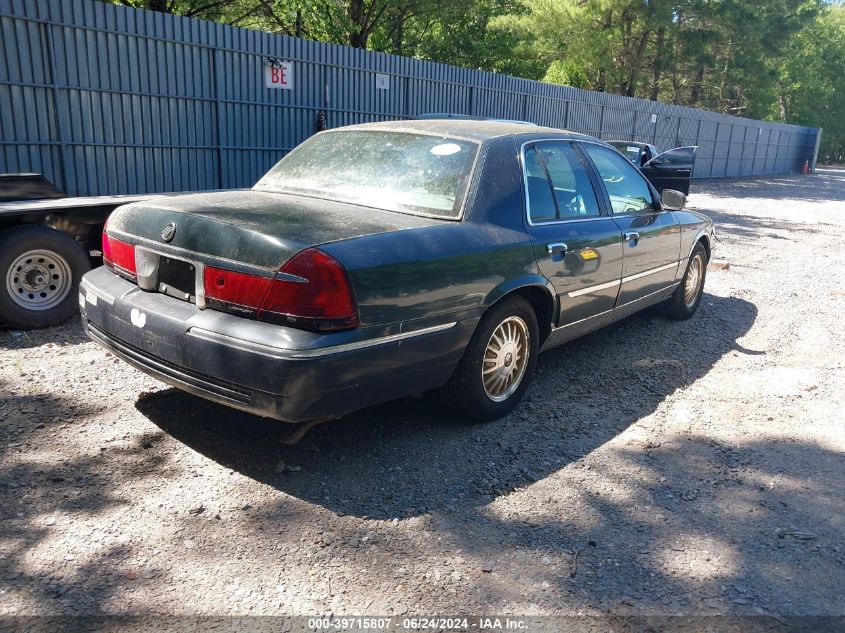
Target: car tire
40,269
684,301
492,375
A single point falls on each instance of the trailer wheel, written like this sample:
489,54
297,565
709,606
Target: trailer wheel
40,269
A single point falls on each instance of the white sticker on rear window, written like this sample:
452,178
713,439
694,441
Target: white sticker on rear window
445,149
633,149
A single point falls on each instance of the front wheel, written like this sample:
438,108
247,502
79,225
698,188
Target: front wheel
683,302
40,269
498,362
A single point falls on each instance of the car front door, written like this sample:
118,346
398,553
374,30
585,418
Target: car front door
651,236
578,247
672,169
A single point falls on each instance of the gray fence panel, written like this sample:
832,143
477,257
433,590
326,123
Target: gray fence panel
103,99
549,111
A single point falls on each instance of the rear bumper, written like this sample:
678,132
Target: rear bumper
262,368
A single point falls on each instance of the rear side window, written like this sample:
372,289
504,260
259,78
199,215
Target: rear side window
557,186
628,190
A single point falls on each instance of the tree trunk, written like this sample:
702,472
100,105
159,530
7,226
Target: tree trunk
695,91
783,110
601,83
159,5
399,32
723,106
657,68
676,82
637,64
356,14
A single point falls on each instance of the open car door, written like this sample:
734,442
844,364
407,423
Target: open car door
672,169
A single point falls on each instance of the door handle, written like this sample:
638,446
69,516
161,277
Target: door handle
557,250
631,236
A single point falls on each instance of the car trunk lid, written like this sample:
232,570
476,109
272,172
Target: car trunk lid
252,228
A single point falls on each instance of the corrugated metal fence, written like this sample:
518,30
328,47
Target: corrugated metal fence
103,99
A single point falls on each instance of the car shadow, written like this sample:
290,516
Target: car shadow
823,185
737,228
69,333
47,494
412,456
743,224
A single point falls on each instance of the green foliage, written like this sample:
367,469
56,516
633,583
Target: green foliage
811,81
777,59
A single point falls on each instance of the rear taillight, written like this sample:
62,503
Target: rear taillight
311,291
235,292
119,256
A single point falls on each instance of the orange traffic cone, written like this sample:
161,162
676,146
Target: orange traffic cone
806,168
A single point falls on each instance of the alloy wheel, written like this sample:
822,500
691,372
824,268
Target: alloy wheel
505,359
692,283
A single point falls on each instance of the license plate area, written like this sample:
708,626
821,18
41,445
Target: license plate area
177,278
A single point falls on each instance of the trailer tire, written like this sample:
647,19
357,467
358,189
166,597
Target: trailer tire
40,269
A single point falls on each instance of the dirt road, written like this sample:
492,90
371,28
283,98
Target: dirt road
655,467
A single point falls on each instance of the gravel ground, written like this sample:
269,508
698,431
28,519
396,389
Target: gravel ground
654,468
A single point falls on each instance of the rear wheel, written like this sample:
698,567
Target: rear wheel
684,301
40,269
498,362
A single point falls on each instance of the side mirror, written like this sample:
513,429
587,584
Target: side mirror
672,200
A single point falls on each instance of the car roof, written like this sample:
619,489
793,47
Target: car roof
468,117
477,130
633,143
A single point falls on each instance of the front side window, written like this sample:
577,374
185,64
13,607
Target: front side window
558,187
680,156
628,190
395,171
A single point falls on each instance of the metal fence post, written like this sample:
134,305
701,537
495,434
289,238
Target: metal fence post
218,116
58,119
698,144
730,144
816,149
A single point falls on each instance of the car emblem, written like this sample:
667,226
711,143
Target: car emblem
169,231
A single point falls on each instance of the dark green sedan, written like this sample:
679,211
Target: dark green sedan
388,259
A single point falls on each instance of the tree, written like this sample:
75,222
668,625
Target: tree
810,81
209,9
778,59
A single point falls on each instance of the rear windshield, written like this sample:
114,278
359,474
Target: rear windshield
396,171
632,152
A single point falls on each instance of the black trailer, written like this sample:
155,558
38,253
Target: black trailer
47,242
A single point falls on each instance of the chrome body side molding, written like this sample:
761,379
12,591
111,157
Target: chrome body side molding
278,352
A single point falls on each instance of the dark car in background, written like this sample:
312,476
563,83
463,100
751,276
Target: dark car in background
665,170
388,259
